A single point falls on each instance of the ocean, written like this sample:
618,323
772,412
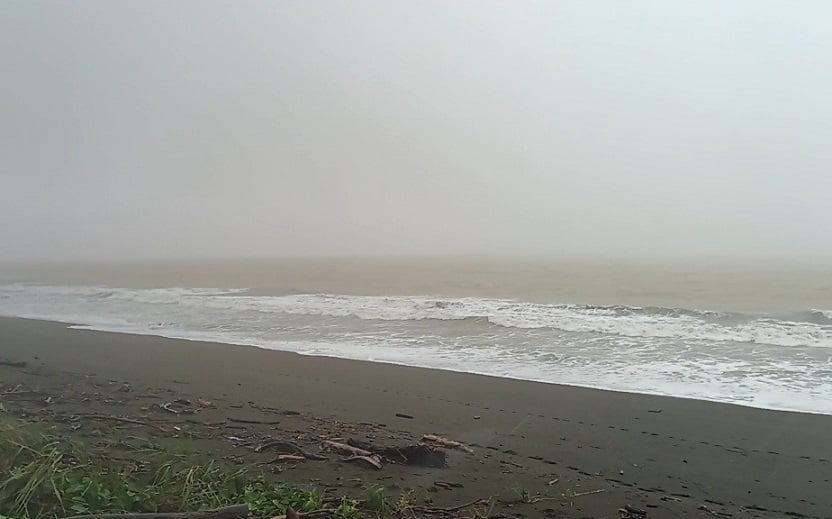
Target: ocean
759,337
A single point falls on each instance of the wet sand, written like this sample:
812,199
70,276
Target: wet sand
670,457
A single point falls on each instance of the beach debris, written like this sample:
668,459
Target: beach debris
228,512
292,514
445,443
714,513
402,415
374,460
654,411
289,448
167,407
631,512
202,402
247,421
288,457
416,455
448,485
12,364
346,449
553,481
123,420
452,509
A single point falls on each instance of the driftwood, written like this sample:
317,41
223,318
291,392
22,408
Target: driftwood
229,512
354,453
289,447
12,364
417,455
343,448
438,441
374,460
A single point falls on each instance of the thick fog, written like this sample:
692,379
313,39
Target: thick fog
567,129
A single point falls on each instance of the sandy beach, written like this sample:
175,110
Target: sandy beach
670,457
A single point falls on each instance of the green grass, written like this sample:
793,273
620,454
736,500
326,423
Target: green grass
44,476
377,501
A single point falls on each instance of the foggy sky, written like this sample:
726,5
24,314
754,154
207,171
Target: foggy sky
212,129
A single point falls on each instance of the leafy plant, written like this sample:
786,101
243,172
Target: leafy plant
524,495
376,500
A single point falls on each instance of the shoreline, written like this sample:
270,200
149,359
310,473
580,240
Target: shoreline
668,455
93,328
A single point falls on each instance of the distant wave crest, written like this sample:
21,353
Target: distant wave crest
812,328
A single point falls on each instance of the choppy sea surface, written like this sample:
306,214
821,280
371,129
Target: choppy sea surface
779,360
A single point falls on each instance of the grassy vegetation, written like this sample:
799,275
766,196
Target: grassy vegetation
43,476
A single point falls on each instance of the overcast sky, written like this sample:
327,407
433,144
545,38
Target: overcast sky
622,129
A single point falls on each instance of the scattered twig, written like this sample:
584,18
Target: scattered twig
246,420
580,494
631,512
713,512
448,485
167,407
230,512
125,420
448,510
288,457
289,447
291,514
17,390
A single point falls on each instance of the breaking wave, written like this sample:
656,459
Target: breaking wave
775,361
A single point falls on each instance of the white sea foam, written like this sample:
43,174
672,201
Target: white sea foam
765,361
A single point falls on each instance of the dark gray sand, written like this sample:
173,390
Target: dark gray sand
671,457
